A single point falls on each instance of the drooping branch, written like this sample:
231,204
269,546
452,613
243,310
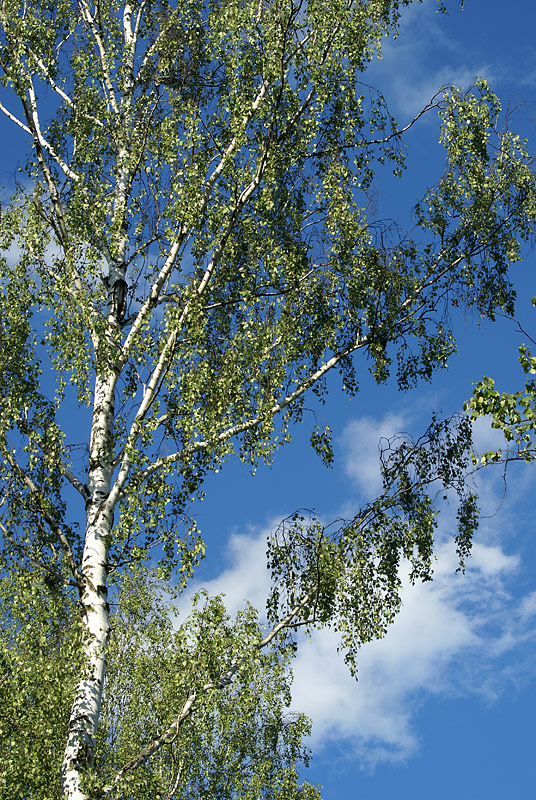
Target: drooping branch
408,310
39,507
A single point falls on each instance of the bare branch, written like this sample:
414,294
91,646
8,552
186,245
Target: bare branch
14,119
74,481
89,19
396,134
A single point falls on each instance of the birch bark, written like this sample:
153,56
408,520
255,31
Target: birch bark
84,718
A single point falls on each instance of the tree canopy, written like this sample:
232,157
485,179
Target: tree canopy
189,251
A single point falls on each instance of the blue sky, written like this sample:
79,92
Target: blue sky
444,704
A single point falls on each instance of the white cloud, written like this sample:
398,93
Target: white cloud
246,578
361,443
491,561
432,632
527,608
423,60
446,640
485,437
414,94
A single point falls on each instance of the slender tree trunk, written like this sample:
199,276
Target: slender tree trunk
84,719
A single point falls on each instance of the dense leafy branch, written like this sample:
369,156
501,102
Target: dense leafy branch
40,506
512,413
194,256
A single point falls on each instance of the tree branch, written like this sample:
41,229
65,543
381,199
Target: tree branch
153,296
252,423
86,15
155,745
40,564
75,482
166,355
154,293
54,86
15,119
396,134
49,519
225,679
432,278
38,135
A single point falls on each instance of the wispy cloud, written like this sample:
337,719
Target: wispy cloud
423,59
361,442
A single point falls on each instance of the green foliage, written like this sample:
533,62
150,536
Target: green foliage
190,252
513,413
242,744
39,667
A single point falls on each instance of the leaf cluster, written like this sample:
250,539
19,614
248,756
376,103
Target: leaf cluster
348,575
241,741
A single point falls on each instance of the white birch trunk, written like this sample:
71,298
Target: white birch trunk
84,719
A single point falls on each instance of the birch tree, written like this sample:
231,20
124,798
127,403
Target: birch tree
188,254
